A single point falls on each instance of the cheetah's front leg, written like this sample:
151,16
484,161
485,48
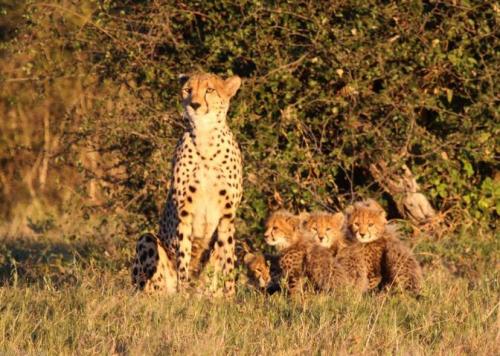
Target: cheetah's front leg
224,252
184,230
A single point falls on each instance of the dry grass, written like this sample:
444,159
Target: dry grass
63,296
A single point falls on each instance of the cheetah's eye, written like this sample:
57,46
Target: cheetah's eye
187,91
210,90
370,225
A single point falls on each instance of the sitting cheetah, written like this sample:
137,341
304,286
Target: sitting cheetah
286,232
283,229
323,270
153,269
206,185
376,257
327,229
258,271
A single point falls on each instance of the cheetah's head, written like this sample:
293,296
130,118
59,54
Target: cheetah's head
366,220
326,228
282,229
258,269
205,97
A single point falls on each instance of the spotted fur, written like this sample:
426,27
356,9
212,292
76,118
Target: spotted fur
259,273
327,229
257,268
153,270
286,232
375,259
206,186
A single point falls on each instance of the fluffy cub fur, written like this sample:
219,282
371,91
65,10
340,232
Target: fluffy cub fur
307,244
327,229
258,271
323,270
285,231
376,257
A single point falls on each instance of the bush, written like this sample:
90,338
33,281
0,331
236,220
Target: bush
90,98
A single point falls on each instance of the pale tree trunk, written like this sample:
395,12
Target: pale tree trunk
42,177
90,159
93,159
404,189
30,176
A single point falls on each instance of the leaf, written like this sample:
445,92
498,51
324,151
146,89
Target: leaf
469,171
449,95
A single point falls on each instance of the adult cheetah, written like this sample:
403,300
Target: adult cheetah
206,186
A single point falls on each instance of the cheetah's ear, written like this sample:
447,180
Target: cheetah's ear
295,221
304,215
183,78
372,204
338,218
349,210
231,85
249,257
383,214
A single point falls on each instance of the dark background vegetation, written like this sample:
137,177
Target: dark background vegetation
90,111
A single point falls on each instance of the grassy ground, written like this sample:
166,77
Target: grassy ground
68,295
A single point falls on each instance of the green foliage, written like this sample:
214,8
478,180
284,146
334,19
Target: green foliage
329,87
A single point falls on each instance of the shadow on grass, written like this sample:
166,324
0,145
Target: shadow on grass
45,261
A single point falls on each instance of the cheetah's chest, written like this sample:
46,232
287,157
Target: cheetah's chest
211,174
207,181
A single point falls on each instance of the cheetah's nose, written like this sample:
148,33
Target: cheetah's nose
195,105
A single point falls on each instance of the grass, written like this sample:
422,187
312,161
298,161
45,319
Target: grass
62,295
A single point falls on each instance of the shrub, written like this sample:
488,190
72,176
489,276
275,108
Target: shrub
90,98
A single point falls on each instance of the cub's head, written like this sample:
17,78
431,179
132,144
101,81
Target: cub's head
366,221
258,270
282,229
325,228
205,97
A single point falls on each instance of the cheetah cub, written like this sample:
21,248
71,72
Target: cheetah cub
329,233
327,229
153,270
258,272
376,257
286,232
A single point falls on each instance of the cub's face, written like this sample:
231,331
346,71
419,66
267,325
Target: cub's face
258,269
366,223
325,228
205,97
281,228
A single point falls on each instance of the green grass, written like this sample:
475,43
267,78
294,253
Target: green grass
64,296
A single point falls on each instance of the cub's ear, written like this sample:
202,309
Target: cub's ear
304,215
249,257
349,210
296,221
231,85
372,204
338,218
183,78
